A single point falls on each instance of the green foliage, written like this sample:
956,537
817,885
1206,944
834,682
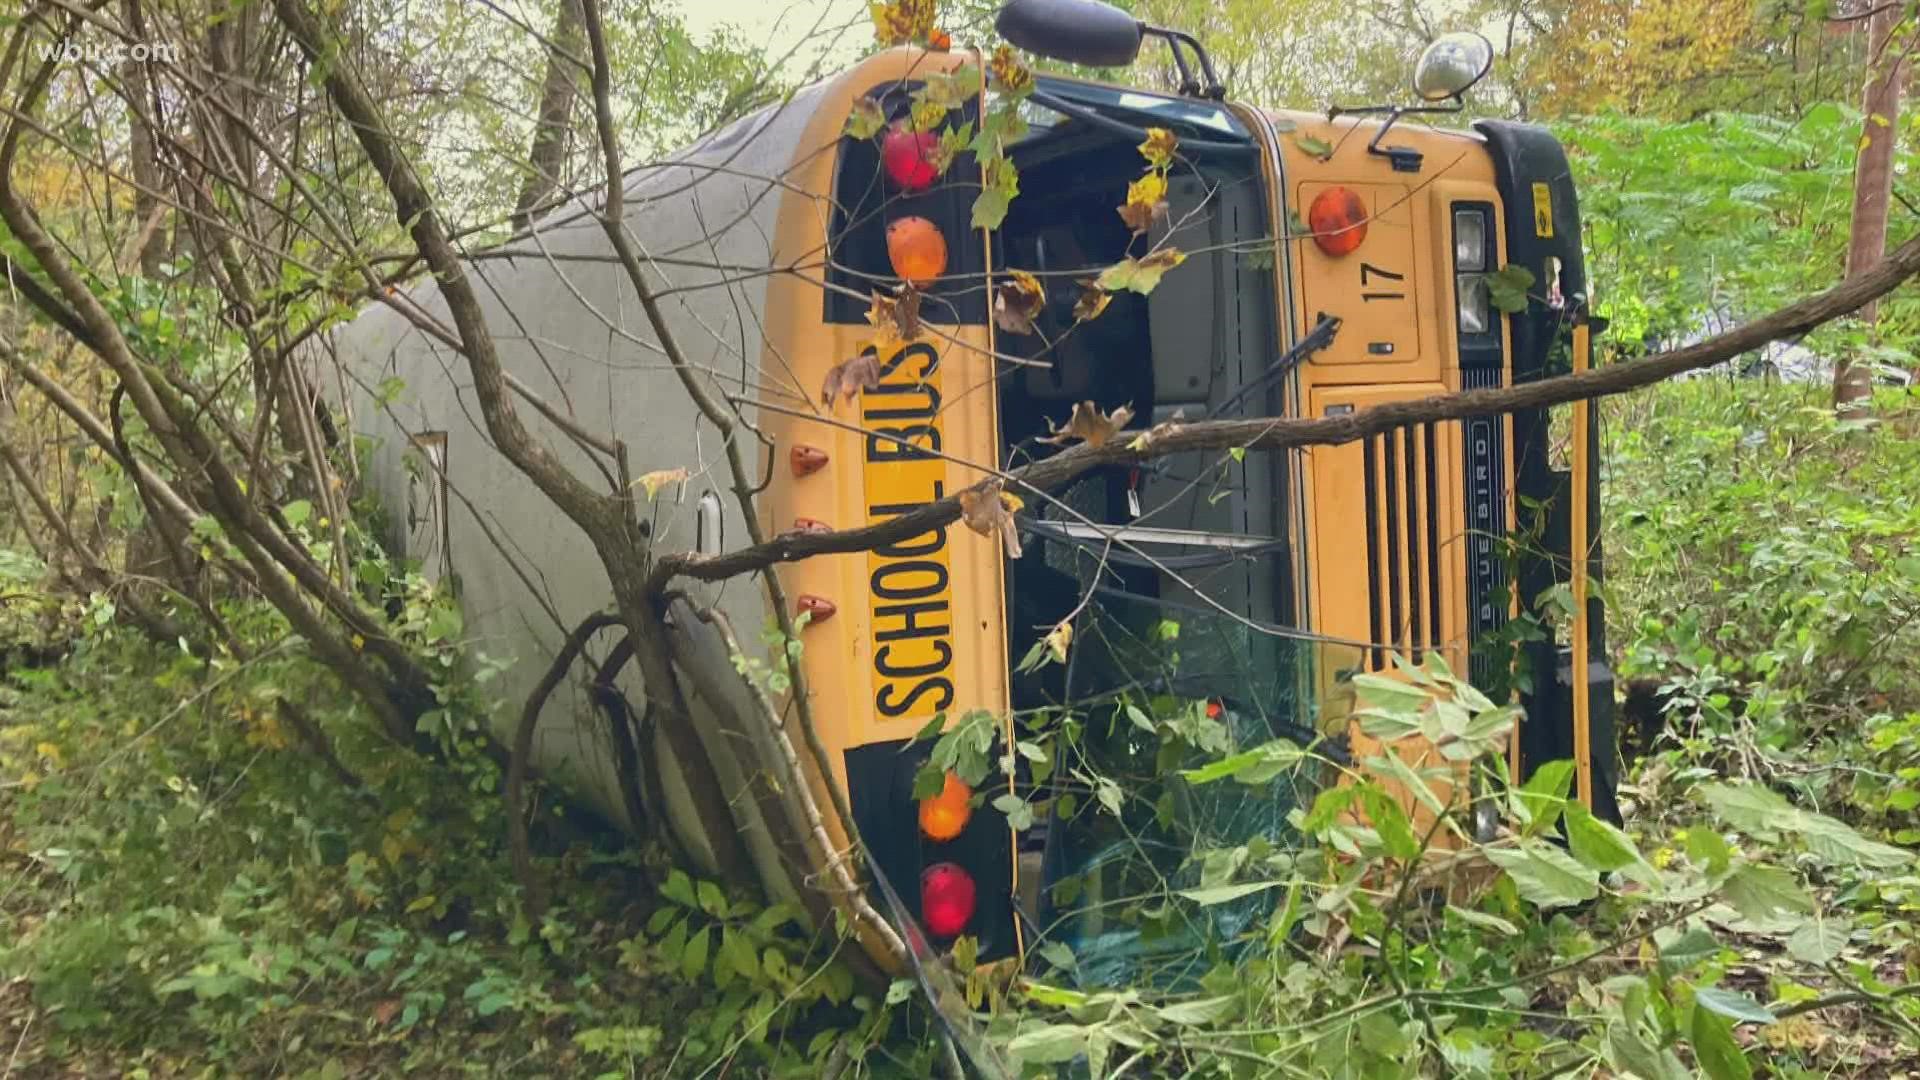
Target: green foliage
1702,224
1762,570
186,890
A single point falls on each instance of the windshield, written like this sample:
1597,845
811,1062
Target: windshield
1161,692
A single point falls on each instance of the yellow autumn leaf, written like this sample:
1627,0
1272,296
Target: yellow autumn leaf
989,511
1058,639
1146,201
660,478
1018,301
1012,76
1159,147
901,22
1089,425
927,115
1092,302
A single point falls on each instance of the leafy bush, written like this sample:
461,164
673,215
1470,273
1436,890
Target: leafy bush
185,888
1764,560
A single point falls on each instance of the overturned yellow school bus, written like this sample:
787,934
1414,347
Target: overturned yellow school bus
1331,263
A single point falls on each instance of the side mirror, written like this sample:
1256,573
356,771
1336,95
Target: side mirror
1084,32
1451,65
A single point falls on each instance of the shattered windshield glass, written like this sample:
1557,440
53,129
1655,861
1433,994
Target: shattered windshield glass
1193,734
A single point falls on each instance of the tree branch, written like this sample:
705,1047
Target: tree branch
1280,433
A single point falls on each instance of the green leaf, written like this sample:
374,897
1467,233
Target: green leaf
1389,694
1761,892
990,208
1819,940
297,512
1604,847
1546,876
1059,954
1390,822
679,888
1203,1011
1544,795
1313,146
712,900
866,119
1141,275
1049,1044
738,953
1748,807
1709,849
932,729
1484,921
1019,811
1396,767
1507,288
1255,766
928,782
1752,808
693,960
1628,1052
1220,894
1732,1004
1719,1056
1683,950
1839,842
899,990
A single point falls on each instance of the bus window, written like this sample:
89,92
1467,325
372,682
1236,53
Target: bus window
1200,528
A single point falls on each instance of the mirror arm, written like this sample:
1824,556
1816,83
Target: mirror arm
1209,85
1402,158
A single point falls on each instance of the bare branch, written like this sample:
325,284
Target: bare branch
1279,433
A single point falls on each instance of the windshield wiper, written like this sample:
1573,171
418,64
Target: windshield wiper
1318,338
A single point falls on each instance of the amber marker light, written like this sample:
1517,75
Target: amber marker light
1337,218
916,249
945,815
806,460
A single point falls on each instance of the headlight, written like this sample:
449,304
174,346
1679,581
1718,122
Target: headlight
1469,240
1476,305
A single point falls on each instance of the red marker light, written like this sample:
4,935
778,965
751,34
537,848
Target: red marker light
908,157
1338,219
946,899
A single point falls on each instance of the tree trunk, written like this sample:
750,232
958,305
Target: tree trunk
1872,185
554,122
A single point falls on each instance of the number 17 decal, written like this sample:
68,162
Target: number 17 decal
1368,270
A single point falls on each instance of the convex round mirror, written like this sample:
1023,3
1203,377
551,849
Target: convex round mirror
1452,64
1076,31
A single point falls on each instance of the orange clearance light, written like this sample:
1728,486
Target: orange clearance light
947,899
810,525
943,816
916,249
1338,220
819,607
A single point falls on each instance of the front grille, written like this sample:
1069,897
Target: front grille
1403,543
1486,495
